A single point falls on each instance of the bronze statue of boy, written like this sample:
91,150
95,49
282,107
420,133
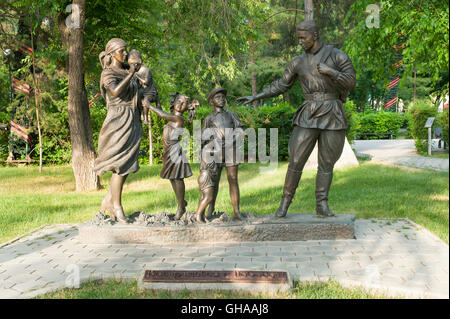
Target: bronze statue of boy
149,92
216,151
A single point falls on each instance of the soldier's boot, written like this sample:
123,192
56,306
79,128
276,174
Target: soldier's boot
290,185
323,183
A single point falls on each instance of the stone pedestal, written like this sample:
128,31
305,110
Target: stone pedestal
149,229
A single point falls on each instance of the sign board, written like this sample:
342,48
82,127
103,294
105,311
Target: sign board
429,122
213,276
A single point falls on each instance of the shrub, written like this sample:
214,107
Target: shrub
353,123
418,115
379,122
56,135
442,121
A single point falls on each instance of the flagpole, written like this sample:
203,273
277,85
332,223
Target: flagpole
36,98
8,53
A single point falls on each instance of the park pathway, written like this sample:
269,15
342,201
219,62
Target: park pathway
399,152
397,257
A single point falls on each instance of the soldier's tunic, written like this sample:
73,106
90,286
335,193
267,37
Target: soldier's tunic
321,117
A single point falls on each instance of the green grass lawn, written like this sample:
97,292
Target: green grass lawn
120,289
438,154
29,199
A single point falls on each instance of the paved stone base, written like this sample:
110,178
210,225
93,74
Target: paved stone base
392,256
248,287
294,227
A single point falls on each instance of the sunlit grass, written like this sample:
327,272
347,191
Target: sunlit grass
121,289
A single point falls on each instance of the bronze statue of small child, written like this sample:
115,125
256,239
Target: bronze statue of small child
149,91
175,163
220,148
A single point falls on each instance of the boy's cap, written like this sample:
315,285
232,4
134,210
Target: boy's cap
214,92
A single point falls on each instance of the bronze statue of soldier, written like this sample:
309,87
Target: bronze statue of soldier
326,75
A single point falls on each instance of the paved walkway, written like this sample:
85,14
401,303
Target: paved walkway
399,152
395,256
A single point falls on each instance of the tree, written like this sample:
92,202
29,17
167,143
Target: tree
83,152
420,27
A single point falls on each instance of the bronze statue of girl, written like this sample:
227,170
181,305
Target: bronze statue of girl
175,163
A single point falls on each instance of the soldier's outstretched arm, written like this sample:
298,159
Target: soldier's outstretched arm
277,87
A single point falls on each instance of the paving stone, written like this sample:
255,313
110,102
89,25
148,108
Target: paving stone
219,266
130,267
341,267
187,266
306,274
180,260
220,253
253,254
323,259
248,266
280,265
9,294
219,259
265,259
279,253
194,254
236,259
27,286
322,270
296,259
294,273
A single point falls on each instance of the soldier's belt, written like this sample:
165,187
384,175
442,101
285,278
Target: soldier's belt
321,96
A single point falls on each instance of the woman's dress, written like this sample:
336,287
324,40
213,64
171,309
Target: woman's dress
121,133
175,162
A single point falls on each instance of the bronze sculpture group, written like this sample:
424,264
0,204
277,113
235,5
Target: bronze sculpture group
326,75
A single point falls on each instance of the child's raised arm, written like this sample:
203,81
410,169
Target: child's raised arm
167,116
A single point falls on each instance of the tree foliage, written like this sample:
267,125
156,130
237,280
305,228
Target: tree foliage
194,45
421,26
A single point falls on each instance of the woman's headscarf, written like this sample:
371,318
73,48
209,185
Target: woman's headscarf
112,45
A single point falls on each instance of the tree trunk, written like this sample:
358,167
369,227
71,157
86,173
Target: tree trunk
415,78
83,151
252,62
309,12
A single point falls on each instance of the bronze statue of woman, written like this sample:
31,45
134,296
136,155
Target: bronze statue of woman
175,163
121,133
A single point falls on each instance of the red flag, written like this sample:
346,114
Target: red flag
26,50
19,131
21,87
390,103
91,101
